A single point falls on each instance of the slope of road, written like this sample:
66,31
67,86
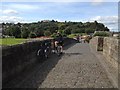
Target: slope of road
78,67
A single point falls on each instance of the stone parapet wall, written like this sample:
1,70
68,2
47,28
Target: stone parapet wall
111,53
97,43
109,46
17,58
94,42
110,50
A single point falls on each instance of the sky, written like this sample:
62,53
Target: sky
27,12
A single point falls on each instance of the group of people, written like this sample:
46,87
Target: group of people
58,41
79,38
45,48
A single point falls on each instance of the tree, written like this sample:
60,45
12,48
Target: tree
82,30
74,31
25,32
46,28
95,22
62,27
7,32
53,21
68,30
54,35
39,32
17,32
106,29
32,35
89,30
47,33
32,27
13,31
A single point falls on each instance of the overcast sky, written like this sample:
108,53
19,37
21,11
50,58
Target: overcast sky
105,12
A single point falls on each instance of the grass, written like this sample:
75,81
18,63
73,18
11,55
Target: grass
74,35
11,41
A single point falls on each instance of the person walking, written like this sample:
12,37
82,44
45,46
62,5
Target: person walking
59,41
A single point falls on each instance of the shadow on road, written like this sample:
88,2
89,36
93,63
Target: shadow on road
33,77
73,42
70,54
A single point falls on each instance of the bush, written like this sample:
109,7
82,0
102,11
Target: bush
32,35
54,35
104,34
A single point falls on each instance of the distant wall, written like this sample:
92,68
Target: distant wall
15,59
97,43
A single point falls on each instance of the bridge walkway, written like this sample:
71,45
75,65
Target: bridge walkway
78,67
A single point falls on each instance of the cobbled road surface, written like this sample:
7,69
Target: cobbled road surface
78,67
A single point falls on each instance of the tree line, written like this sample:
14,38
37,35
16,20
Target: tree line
49,28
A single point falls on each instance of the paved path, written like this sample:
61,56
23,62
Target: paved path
77,68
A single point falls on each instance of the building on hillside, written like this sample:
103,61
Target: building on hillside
115,34
45,21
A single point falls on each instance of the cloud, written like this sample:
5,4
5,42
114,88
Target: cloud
9,11
45,0
97,2
105,18
23,6
11,19
110,21
0,11
57,0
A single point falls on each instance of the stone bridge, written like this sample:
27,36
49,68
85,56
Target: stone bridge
80,66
